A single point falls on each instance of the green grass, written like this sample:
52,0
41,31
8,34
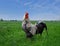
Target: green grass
11,34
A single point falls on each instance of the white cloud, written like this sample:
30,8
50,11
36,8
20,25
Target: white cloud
57,0
27,3
36,5
46,16
44,5
17,0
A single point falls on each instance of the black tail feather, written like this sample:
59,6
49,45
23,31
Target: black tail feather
46,28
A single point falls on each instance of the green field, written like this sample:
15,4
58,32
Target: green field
11,34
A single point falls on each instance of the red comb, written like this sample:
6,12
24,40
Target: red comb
26,15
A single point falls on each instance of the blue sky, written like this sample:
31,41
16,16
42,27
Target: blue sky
37,9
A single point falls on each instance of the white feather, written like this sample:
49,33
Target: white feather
29,24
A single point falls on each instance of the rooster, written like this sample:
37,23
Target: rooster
32,29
